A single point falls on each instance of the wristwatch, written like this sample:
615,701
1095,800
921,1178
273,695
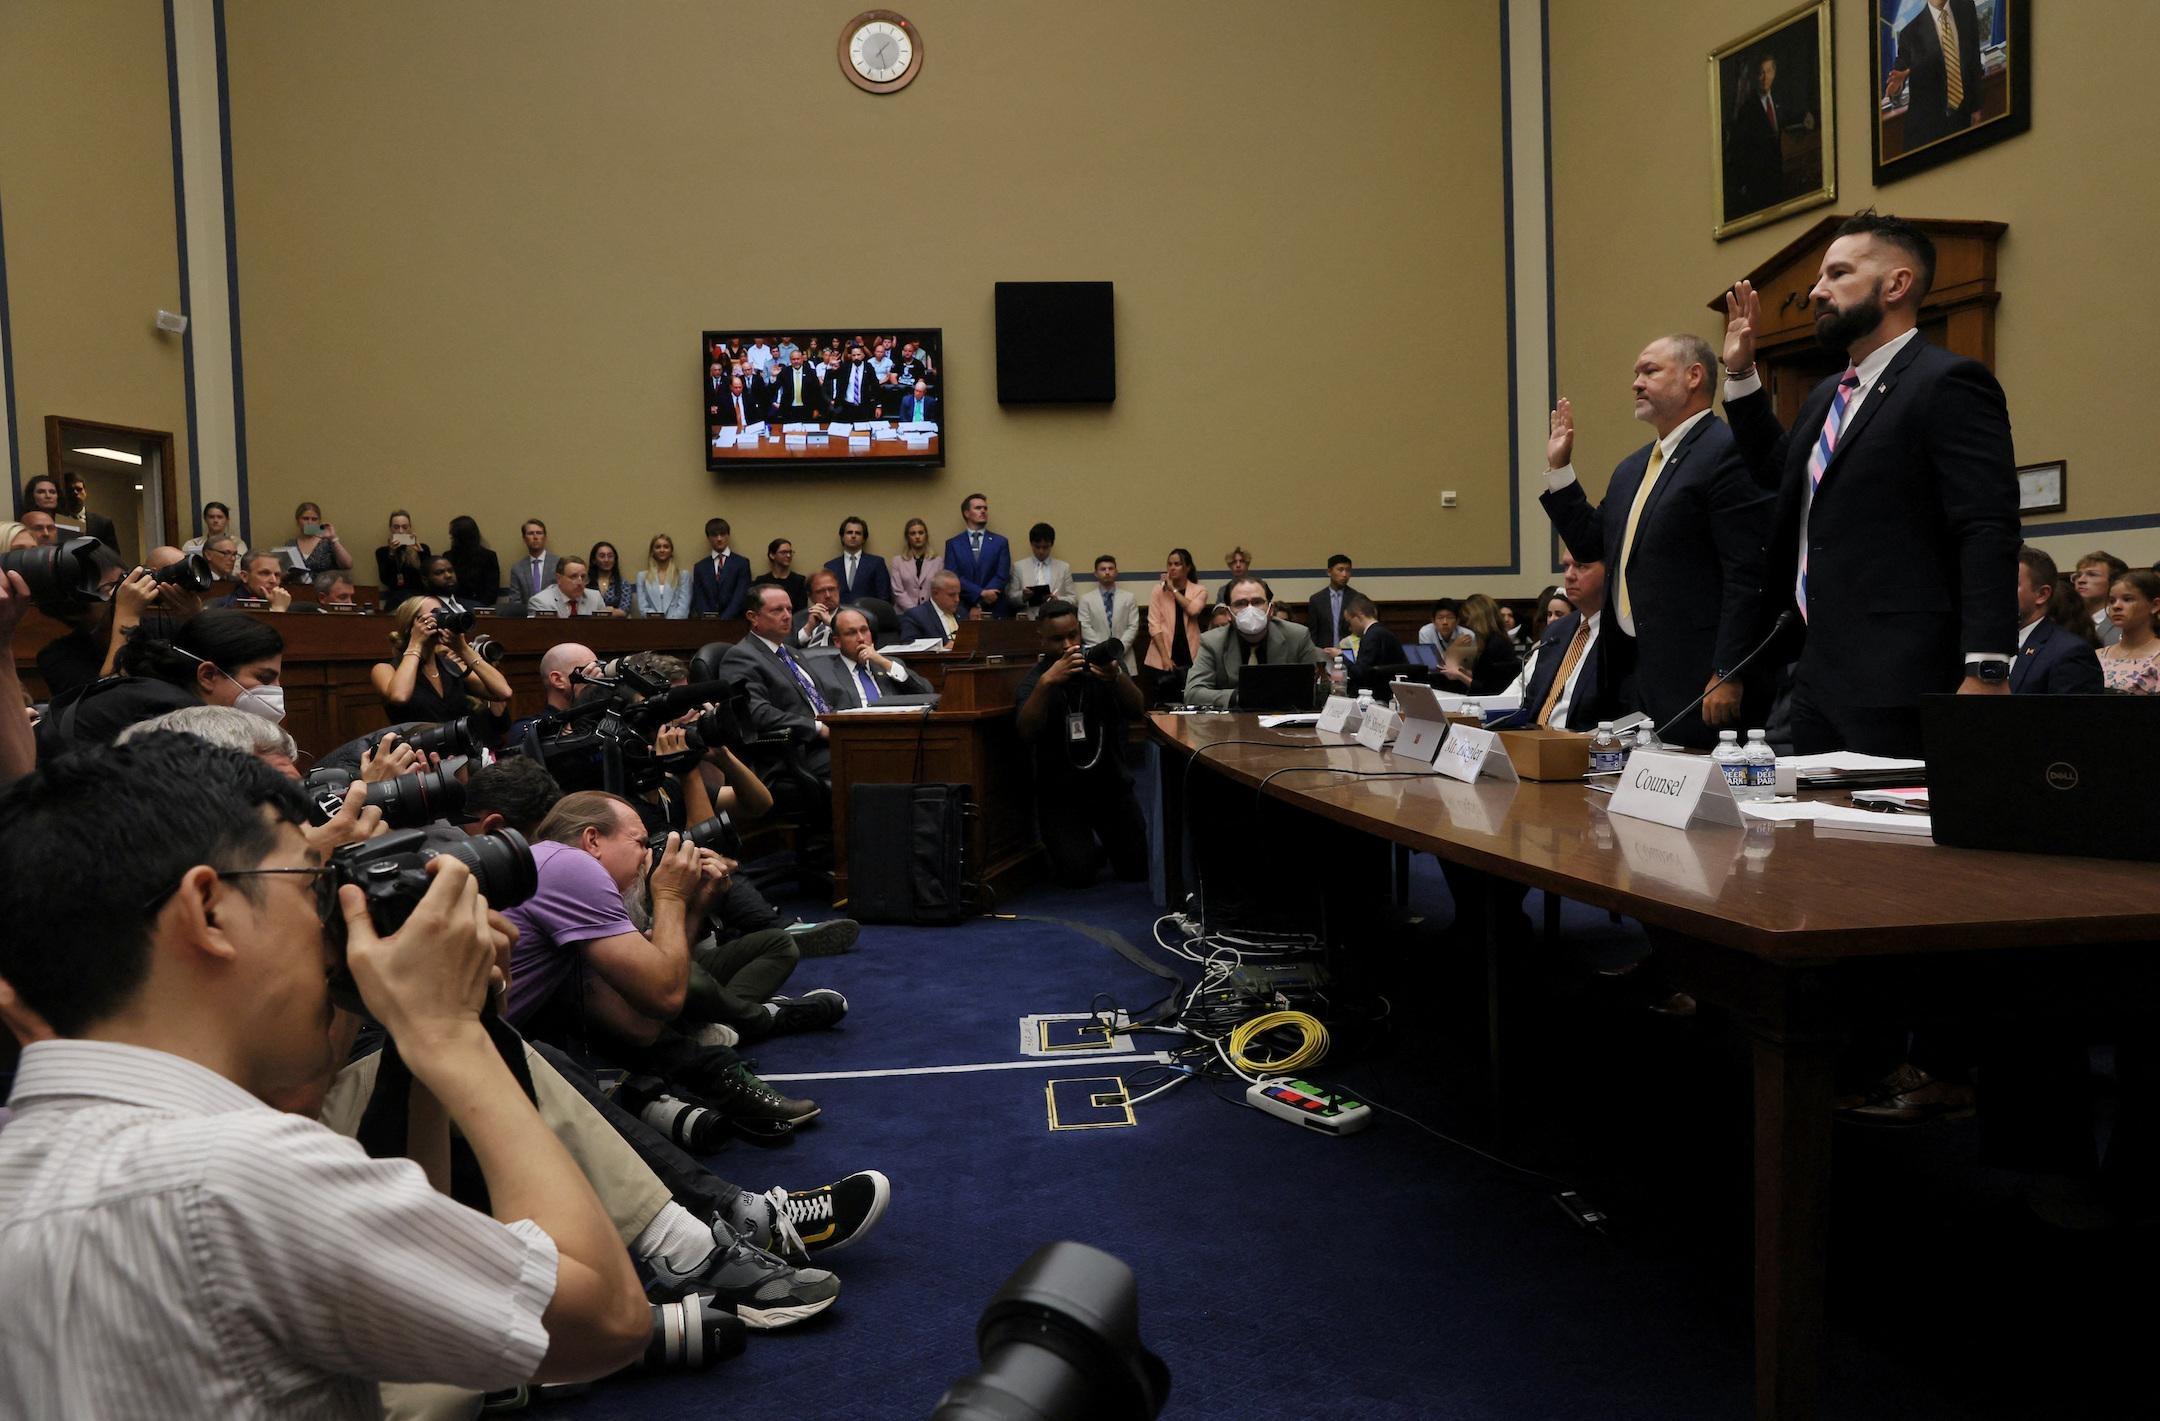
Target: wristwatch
1988,672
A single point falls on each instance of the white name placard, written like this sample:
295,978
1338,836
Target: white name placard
1469,753
1675,790
1373,731
1339,716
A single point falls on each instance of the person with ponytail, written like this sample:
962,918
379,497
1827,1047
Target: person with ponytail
218,657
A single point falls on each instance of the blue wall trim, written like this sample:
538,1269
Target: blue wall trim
7,374
232,277
1507,237
187,517
2132,522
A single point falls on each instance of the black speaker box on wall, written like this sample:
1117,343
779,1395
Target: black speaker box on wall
1056,343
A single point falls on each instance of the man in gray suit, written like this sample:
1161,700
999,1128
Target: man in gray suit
781,695
536,570
857,675
1107,614
1253,635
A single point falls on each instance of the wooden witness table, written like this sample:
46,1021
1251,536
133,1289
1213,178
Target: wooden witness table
1797,934
774,448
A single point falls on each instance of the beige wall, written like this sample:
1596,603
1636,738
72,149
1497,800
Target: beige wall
477,242
86,184
1634,256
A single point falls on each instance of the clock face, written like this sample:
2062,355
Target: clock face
880,51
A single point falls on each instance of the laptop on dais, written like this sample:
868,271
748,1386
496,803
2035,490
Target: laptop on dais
2044,774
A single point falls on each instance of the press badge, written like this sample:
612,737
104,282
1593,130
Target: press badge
1075,726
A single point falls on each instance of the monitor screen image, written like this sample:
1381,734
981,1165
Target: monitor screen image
818,397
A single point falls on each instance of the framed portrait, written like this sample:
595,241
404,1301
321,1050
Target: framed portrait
2041,487
1951,76
1773,135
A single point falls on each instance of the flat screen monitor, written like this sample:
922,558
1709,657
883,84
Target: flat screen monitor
796,397
1056,343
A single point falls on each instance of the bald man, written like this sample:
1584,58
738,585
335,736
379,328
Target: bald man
558,665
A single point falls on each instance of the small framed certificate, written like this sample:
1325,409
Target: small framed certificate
2040,487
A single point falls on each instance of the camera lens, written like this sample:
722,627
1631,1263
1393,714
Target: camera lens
192,572
392,871
452,615
452,737
60,576
489,650
410,801
501,862
716,729
708,834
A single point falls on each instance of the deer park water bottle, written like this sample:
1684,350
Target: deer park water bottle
1607,754
1337,680
1731,761
1761,767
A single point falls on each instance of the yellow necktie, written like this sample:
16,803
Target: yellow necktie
1953,61
1577,645
1627,539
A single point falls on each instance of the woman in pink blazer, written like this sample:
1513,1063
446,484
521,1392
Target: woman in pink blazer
912,570
1174,621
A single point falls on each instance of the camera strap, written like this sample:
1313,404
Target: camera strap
385,1126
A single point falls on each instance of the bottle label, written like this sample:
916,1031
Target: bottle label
1736,775
1607,762
1763,776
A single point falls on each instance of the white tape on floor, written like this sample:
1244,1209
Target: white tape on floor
1123,1058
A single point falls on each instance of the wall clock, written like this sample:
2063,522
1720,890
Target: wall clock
880,51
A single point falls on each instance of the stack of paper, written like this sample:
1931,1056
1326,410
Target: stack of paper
1837,819
839,430
1849,768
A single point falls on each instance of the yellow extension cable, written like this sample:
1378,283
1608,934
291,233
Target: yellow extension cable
1310,1052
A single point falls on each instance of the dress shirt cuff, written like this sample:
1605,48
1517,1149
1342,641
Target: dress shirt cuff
2002,657
1560,478
1748,384
895,671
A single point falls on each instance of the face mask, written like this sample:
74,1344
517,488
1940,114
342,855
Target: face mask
1250,620
265,701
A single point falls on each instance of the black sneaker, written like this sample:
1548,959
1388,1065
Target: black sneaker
812,1011
824,1219
739,1095
828,939
764,1291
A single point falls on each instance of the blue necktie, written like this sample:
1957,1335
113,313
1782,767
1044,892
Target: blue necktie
1107,615
869,686
802,679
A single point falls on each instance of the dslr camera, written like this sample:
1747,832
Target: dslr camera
391,870
408,802
62,577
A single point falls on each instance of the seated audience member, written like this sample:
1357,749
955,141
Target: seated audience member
740,405
2096,574
1379,652
479,571
18,742
261,585
1323,610
1445,628
42,526
720,583
1218,615
152,1159
401,563
1073,715
813,624
939,614
1253,636
1175,608
781,696
1107,614
569,596
1239,562
433,674
918,405
216,657
861,675
336,591
780,572
216,520
1496,662
441,579
1552,605
981,560
663,589
603,570
889,395
2050,660
861,573
1516,631
913,569
1570,684
315,547
219,551
1040,570
2132,663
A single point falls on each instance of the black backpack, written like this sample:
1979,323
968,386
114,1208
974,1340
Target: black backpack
907,852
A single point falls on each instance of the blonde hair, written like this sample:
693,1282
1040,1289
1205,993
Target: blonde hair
8,533
1482,615
408,612
652,564
573,814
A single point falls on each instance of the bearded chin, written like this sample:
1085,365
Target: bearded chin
1837,330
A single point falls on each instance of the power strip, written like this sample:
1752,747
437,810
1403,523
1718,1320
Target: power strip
1315,1107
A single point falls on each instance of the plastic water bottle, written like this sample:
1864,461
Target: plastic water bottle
1337,680
1607,754
1761,767
1731,760
1364,704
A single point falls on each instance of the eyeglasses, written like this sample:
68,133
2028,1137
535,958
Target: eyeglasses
324,886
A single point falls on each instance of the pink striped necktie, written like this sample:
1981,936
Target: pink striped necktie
1819,460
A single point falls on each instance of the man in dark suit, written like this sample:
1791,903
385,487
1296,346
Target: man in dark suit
1755,142
1897,530
1946,95
779,693
2051,660
76,510
851,386
861,573
720,583
813,626
857,675
1253,635
798,397
940,614
981,560
739,406
1324,610
919,404
1575,673
535,571
1379,651
1682,527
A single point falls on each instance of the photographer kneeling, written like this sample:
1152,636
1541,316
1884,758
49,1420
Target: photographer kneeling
217,657
1074,708
147,1191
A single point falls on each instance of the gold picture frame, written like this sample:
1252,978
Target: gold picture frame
1773,152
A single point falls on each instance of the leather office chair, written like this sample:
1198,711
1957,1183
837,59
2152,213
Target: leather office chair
884,620
705,666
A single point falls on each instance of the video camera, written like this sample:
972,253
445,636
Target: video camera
606,741
391,870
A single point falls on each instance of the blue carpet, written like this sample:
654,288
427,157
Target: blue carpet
1282,1274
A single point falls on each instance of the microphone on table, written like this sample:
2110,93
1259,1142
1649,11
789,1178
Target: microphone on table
1777,629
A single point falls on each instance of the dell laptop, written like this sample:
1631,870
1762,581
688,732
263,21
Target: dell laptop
2044,774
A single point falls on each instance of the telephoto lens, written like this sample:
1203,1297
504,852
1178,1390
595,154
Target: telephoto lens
706,834
488,649
462,736
1061,1342
391,869
691,1127
413,801
716,729
452,615
60,576
192,573
691,1335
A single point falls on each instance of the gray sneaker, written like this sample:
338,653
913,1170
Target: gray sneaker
828,939
764,1291
828,1218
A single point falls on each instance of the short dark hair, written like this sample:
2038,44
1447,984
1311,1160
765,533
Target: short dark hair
851,518
1339,560
1057,607
1101,558
717,527
2116,566
2040,565
757,593
823,572
1898,233
532,523
226,637
1448,605
971,497
213,503
439,558
1230,592
1361,604
1042,533
80,900
777,544
519,789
